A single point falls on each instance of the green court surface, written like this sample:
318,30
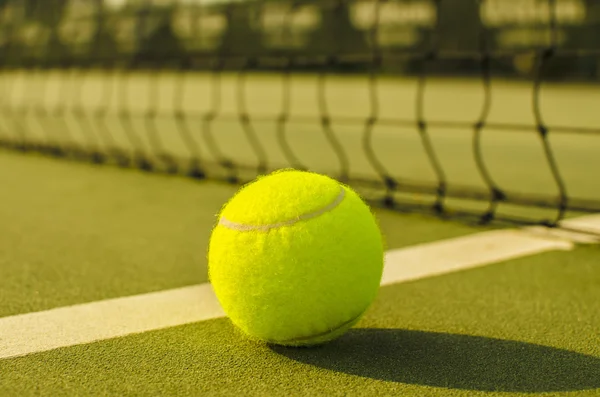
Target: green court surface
74,233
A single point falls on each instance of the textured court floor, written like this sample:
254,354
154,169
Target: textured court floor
76,234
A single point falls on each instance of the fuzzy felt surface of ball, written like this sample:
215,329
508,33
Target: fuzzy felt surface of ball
295,258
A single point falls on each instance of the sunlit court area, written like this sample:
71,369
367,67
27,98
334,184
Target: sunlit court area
299,198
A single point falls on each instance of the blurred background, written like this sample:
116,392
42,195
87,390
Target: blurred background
344,35
481,108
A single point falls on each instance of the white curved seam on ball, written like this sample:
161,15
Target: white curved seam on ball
264,228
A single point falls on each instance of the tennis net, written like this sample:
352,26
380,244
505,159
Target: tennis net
482,109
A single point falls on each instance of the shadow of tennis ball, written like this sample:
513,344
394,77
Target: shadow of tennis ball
452,361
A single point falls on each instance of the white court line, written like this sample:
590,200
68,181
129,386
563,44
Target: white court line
29,333
590,223
455,254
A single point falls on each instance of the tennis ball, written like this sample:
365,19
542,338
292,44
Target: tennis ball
295,258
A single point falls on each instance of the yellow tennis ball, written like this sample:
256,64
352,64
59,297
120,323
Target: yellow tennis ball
295,259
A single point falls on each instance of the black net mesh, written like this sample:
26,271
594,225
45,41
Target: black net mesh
486,109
